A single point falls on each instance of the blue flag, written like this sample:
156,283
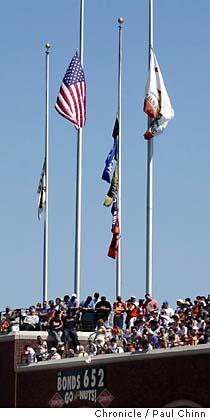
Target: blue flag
107,172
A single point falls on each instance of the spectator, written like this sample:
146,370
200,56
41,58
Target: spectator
165,309
103,309
173,338
134,334
139,324
66,299
7,314
73,305
70,330
100,332
120,348
193,337
86,305
175,321
82,352
165,319
140,309
119,310
154,342
131,312
49,315
188,303
96,299
71,353
151,304
59,304
129,347
202,314
30,354
113,345
31,321
56,327
180,306
53,354
91,347
201,336
38,308
182,331
162,338
41,349
15,320
44,310
207,307
6,320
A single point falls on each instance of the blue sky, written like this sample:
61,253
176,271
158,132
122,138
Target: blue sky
181,263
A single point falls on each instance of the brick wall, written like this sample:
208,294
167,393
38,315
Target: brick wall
159,378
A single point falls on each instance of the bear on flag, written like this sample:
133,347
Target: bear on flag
157,104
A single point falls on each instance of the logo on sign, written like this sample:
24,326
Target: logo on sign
105,398
56,401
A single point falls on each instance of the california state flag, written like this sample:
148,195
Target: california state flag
157,104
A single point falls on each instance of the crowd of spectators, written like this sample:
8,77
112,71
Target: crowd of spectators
122,326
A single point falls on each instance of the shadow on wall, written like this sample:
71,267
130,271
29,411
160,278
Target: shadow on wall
182,404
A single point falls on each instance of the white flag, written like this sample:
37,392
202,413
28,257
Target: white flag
157,104
42,191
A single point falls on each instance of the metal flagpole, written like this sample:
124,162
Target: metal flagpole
45,252
149,231
79,178
119,257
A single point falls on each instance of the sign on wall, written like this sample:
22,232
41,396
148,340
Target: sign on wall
81,385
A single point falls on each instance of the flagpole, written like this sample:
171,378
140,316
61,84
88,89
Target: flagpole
119,257
149,227
79,178
45,250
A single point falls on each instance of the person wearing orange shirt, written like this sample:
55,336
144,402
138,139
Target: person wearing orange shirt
119,309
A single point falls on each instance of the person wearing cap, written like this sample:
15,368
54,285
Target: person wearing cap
73,305
54,355
131,312
91,347
166,310
180,306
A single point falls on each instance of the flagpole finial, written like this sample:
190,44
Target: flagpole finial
120,20
47,45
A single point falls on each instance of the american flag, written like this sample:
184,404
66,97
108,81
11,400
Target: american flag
71,100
